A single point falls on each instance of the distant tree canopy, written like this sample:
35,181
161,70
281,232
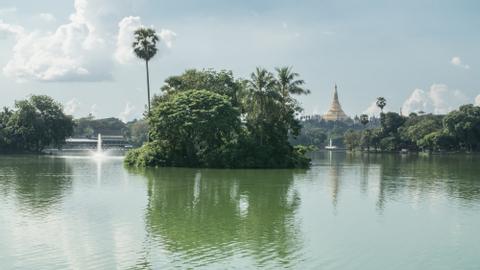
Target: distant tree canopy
90,127
458,130
210,119
34,124
318,132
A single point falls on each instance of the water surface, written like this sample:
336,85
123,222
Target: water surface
346,212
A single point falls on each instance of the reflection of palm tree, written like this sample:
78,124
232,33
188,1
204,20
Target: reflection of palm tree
222,213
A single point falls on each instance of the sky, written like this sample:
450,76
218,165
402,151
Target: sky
420,55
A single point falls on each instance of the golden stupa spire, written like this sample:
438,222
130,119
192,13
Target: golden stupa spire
335,113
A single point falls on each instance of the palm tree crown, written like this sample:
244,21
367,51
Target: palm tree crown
261,91
145,44
288,84
364,119
381,103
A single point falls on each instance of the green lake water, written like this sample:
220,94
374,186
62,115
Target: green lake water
346,212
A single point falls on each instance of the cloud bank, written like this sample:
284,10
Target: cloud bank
79,50
438,100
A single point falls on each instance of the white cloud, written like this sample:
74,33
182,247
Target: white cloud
16,30
47,17
127,113
78,50
373,109
72,106
438,100
417,101
477,101
126,27
456,61
167,37
73,52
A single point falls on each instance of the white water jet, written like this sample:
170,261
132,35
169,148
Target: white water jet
99,144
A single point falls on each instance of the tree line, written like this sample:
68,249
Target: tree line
458,130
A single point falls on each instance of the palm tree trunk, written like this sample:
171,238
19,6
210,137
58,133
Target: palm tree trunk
148,87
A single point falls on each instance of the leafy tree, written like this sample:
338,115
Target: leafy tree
464,124
381,103
416,128
364,119
352,139
221,82
145,47
391,122
193,128
5,132
35,124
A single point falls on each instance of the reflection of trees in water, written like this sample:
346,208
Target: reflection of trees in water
38,183
208,215
455,176
390,176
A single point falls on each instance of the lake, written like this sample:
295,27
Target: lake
349,211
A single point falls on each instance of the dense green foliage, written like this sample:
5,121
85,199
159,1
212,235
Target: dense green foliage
220,82
33,125
230,123
458,130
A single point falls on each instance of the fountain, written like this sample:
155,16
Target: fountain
331,146
99,144
99,154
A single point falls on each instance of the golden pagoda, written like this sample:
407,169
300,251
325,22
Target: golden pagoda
335,113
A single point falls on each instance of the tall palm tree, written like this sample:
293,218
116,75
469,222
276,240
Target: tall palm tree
288,84
145,47
262,100
381,103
